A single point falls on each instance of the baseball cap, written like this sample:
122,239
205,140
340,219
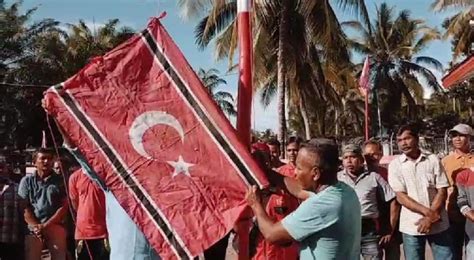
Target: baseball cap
352,148
462,129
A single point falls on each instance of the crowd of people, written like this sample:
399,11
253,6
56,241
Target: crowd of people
358,209
322,202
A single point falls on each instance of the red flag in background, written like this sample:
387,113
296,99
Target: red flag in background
364,83
148,127
364,79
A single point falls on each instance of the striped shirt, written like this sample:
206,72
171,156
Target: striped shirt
9,213
419,179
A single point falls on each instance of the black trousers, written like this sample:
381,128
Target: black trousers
93,249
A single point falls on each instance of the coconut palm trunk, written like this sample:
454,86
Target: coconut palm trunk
281,73
304,115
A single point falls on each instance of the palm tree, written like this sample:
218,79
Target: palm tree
48,56
212,81
84,43
392,44
291,41
20,119
458,26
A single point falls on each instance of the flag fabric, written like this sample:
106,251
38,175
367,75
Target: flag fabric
148,127
364,79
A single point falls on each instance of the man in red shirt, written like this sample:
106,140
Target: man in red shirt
278,203
88,200
292,149
275,154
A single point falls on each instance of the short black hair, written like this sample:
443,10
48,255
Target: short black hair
42,150
374,142
294,139
327,151
274,142
410,128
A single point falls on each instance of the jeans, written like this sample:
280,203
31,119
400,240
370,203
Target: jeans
127,242
470,250
54,237
369,247
441,246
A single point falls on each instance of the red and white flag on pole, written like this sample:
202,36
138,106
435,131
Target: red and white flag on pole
143,120
364,80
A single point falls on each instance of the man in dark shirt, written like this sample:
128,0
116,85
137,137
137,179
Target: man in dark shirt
45,206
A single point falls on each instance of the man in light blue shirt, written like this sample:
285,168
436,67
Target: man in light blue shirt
328,223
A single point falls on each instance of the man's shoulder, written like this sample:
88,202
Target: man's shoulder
28,179
334,195
340,174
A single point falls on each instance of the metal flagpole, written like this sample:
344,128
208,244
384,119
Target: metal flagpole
244,107
244,98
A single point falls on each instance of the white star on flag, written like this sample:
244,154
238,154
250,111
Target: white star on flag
180,166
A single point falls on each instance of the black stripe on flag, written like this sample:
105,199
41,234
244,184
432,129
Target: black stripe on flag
121,169
194,104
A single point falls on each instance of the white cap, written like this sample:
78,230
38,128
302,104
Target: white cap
462,129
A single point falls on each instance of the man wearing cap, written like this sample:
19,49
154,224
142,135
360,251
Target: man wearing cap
460,158
372,191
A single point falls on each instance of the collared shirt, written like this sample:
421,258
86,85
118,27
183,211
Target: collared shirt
452,164
456,161
90,201
126,240
420,180
9,213
46,196
327,224
371,189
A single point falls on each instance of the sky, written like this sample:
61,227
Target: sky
136,13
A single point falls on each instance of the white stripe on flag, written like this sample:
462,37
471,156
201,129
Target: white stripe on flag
243,6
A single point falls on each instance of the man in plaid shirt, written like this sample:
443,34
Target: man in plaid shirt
10,242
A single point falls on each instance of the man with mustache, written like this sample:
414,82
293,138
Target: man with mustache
373,192
420,184
460,158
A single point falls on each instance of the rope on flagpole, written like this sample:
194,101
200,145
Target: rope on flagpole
65,178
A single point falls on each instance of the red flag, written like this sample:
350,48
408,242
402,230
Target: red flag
149,128
364,80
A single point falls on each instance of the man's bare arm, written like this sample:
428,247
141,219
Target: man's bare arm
439,199
411,204
273,232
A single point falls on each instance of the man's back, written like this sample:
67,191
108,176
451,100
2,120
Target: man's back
327,224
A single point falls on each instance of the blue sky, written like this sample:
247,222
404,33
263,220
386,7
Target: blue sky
135,13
